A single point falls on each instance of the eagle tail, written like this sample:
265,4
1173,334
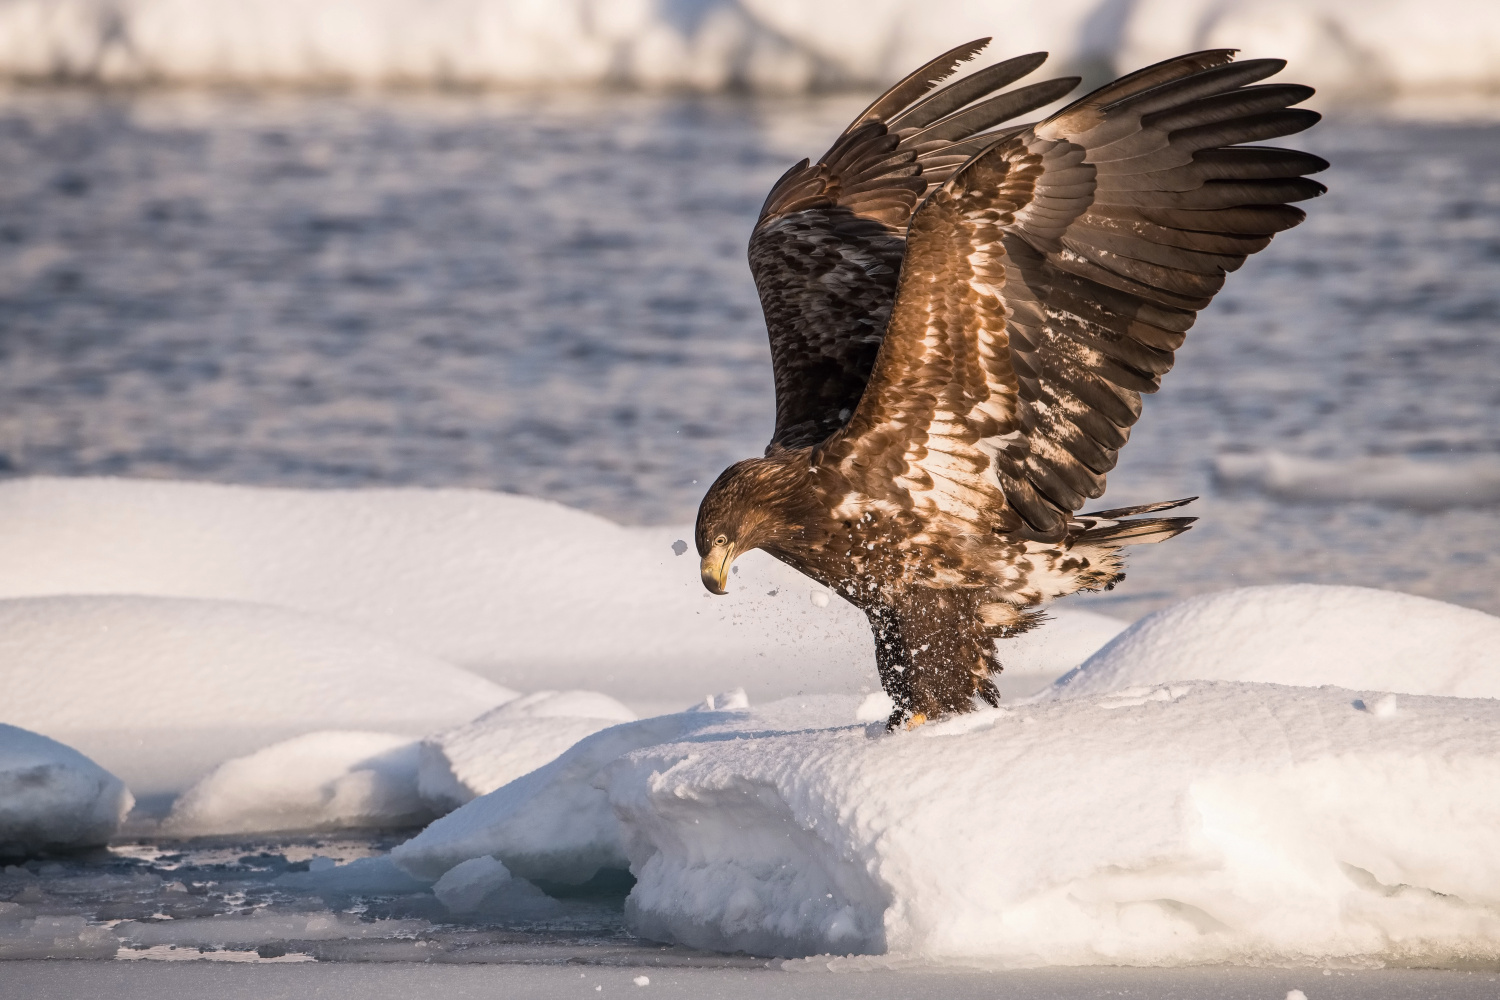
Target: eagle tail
1140,531
1145,508
1117,527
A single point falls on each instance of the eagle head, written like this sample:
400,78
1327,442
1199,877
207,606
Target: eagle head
749,506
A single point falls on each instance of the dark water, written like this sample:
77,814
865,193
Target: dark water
549,296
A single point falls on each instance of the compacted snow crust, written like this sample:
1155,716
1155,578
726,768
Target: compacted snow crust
1358,46
53,798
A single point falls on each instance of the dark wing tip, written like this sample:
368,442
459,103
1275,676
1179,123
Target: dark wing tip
919,82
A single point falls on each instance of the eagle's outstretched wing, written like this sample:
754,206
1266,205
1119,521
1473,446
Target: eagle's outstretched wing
1047,285
827,249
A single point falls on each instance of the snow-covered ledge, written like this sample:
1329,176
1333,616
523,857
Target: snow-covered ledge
53,798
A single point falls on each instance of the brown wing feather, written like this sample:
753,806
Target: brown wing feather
827,250
1047,285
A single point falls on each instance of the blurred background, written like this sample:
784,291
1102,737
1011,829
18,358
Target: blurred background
500,244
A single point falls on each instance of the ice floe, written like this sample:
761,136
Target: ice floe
1202,822
528,593
331,780
556,823
507,742
160,690
1303,634
1357,47
53,798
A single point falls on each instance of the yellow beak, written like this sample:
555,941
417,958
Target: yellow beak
715,568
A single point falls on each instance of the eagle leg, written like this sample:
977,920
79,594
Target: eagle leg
933,655
893,662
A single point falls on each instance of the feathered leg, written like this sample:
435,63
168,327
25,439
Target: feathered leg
892,662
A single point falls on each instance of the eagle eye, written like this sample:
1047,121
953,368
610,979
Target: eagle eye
721,540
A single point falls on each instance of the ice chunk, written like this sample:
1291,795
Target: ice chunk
317,781
160,690
1228,822
1304,634
505,743
53,798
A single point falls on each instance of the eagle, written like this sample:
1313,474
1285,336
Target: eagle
963,315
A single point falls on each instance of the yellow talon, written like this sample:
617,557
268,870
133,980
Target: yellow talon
915,721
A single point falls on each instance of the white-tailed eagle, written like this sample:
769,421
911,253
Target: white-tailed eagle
963,315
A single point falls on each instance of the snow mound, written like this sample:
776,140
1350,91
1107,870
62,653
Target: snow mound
53,798
507,742
487,581
555,824
1393,481
161,690
768,45
1305,635
317,781
1195,823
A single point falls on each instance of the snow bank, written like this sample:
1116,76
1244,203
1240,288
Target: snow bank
1195,823
53,798
555,823
1359,46
161,690
507,742
1393,481
318,781
1306,635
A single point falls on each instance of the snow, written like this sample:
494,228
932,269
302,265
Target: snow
1303,634
1367,47
329,780
556,824
507,742
1393,481
530,594
53,798
1204,822
1231,780
160,690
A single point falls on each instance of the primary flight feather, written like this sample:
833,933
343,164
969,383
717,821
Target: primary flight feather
963,315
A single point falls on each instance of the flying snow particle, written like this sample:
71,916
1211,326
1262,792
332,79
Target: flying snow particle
1385,707
642,980
679,547
1295,995
819,599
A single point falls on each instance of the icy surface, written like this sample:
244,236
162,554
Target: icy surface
53,798
1389,481
160,690
507,742
329,780
1349,637
1200,822
771,45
